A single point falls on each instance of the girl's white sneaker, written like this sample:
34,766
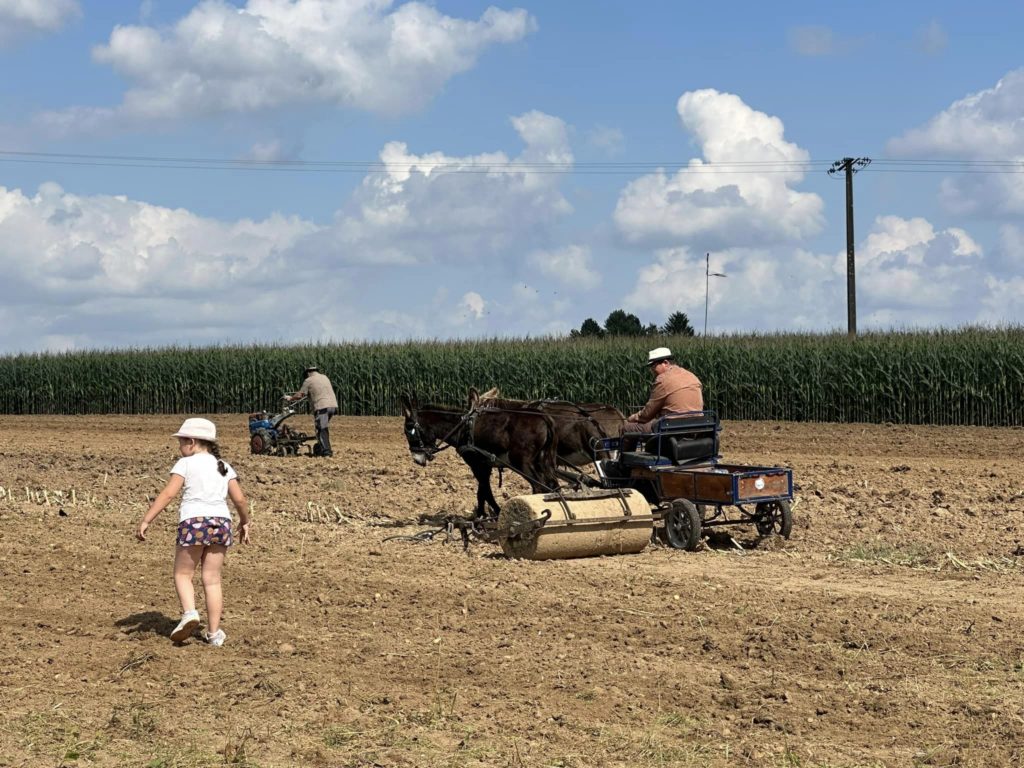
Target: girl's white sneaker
189,621
215,639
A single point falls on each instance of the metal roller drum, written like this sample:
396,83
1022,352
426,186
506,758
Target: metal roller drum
547,526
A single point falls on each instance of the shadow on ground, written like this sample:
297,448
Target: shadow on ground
150,622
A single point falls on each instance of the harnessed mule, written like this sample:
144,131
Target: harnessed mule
485,437
578,426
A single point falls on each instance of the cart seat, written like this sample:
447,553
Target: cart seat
688,438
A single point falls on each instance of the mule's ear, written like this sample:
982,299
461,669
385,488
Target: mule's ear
474,397
406,406
491,394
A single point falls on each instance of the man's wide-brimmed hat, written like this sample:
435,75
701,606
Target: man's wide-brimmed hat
309,368
198,429
657,355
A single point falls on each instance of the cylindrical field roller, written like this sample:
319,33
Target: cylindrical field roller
583,524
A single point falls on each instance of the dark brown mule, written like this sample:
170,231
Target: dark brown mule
485,436
577,425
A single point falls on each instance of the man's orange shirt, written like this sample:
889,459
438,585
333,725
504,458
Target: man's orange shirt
675,390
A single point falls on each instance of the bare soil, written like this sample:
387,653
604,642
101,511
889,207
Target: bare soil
885,632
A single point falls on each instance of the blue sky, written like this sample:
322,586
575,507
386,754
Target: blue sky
297,170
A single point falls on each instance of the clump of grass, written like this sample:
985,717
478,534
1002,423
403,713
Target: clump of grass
135,719
136,661
234,750
921,556
268,686
339,736
676,721
909,555
53,734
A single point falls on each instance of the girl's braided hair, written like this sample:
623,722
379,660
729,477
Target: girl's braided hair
215,450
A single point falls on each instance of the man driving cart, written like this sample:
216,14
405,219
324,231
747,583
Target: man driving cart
675,390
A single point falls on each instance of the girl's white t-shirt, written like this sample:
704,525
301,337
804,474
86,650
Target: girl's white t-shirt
206,490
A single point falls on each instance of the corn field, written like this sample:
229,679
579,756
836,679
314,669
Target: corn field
959,377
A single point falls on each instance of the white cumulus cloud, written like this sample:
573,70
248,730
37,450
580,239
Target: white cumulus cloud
730,198
908,273
269,54
78,266
24,17
102,270
571,266
440,208
983,126
473,303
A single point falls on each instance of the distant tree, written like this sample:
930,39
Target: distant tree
621,323
591,327
678,324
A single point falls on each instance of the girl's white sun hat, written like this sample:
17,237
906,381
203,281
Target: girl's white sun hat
198,429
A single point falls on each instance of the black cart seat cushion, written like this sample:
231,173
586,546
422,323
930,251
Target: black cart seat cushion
686,438
683,449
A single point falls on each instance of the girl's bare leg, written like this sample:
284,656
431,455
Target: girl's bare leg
185,561
213,561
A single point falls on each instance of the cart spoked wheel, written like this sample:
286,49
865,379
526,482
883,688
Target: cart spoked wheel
774,517
682,525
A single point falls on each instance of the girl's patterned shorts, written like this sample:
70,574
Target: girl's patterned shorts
204,531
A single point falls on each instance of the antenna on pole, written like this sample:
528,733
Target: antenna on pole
708,274
850,165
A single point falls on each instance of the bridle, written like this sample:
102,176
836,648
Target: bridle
430,451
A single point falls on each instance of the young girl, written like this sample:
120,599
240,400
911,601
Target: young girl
204,523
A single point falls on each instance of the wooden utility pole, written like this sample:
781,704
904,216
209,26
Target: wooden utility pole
850,165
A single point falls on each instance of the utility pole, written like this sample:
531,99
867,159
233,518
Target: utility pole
850,165
708,274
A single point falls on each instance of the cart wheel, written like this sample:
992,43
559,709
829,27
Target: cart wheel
774,517
682,525
261,442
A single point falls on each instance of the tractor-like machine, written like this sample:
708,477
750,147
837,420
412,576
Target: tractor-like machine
268,434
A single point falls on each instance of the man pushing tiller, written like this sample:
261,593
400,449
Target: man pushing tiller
324,404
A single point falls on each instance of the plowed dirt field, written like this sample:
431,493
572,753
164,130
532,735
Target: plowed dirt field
886,632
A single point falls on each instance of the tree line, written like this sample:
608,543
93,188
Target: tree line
622,323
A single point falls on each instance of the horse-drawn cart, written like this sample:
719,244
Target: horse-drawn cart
676,468
669,482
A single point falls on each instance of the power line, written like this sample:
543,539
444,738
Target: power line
700,167
362,163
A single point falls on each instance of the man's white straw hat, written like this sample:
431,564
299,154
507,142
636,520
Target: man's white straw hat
198,429
657,355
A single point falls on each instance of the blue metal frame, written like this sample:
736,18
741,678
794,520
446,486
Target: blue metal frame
612,443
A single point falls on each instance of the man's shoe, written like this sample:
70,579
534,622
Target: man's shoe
189,621
215,639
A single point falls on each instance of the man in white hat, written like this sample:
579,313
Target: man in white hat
323,402
675,390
